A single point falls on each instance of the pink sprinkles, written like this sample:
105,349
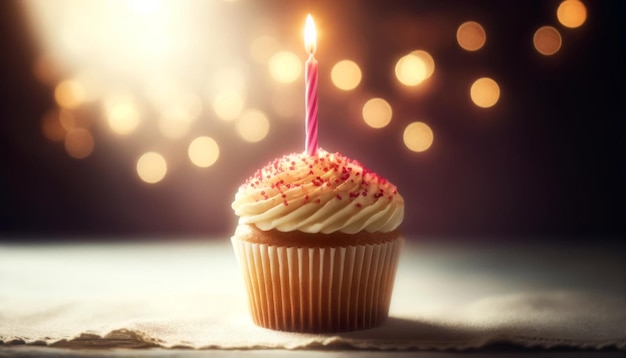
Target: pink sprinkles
271,177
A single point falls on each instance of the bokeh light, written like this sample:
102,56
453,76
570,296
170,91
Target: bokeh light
67,119
547,40
263,47
571,13
51,126
145,88
45,70
287,104
228,104
418,136
172,127
69,94
79,143
471,36
415,68
151,167
203,151
91,85
121,113
377,113
485,92
253,125
346,75
285,66
129,39
410,70
427,60
177,114
230,79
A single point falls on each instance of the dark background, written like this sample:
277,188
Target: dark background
546,163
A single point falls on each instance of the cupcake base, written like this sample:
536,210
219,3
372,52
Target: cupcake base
318,289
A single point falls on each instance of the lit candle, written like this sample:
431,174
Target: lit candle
310,78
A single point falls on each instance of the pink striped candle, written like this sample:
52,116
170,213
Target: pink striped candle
310,78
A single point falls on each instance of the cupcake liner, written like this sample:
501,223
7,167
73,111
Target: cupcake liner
328,289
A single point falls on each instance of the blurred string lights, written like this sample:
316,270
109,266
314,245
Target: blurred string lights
160,79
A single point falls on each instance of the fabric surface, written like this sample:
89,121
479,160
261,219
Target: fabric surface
191,294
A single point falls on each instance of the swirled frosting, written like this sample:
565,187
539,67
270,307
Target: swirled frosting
324,193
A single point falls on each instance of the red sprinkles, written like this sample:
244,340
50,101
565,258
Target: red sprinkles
320,172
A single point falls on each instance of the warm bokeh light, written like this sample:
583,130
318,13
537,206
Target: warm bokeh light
285,66
203,152
414,68
547,40
178,113
485,92
410,70
151,167
121,113
346,75
230,79
131,39
69,94
377,113
161,79
176,105
67,120
287,104
91,84
148,64
45,70
173,127
571,13
418,136
427,60
253,125
263,47
471,36
185,106
79,143
228,104
51,126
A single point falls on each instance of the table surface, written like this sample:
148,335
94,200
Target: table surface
29,351
432,278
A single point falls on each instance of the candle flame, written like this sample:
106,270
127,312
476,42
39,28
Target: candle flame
310,43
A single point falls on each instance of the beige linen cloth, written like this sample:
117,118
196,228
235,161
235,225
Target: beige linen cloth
190,294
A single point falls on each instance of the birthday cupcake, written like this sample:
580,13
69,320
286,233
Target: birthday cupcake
318,243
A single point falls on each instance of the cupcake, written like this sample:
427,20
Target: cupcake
318,243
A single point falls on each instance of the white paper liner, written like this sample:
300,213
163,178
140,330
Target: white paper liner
318,289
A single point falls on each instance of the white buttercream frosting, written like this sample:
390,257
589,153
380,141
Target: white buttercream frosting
324,193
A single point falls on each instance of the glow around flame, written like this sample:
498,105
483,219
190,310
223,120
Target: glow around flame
310,41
